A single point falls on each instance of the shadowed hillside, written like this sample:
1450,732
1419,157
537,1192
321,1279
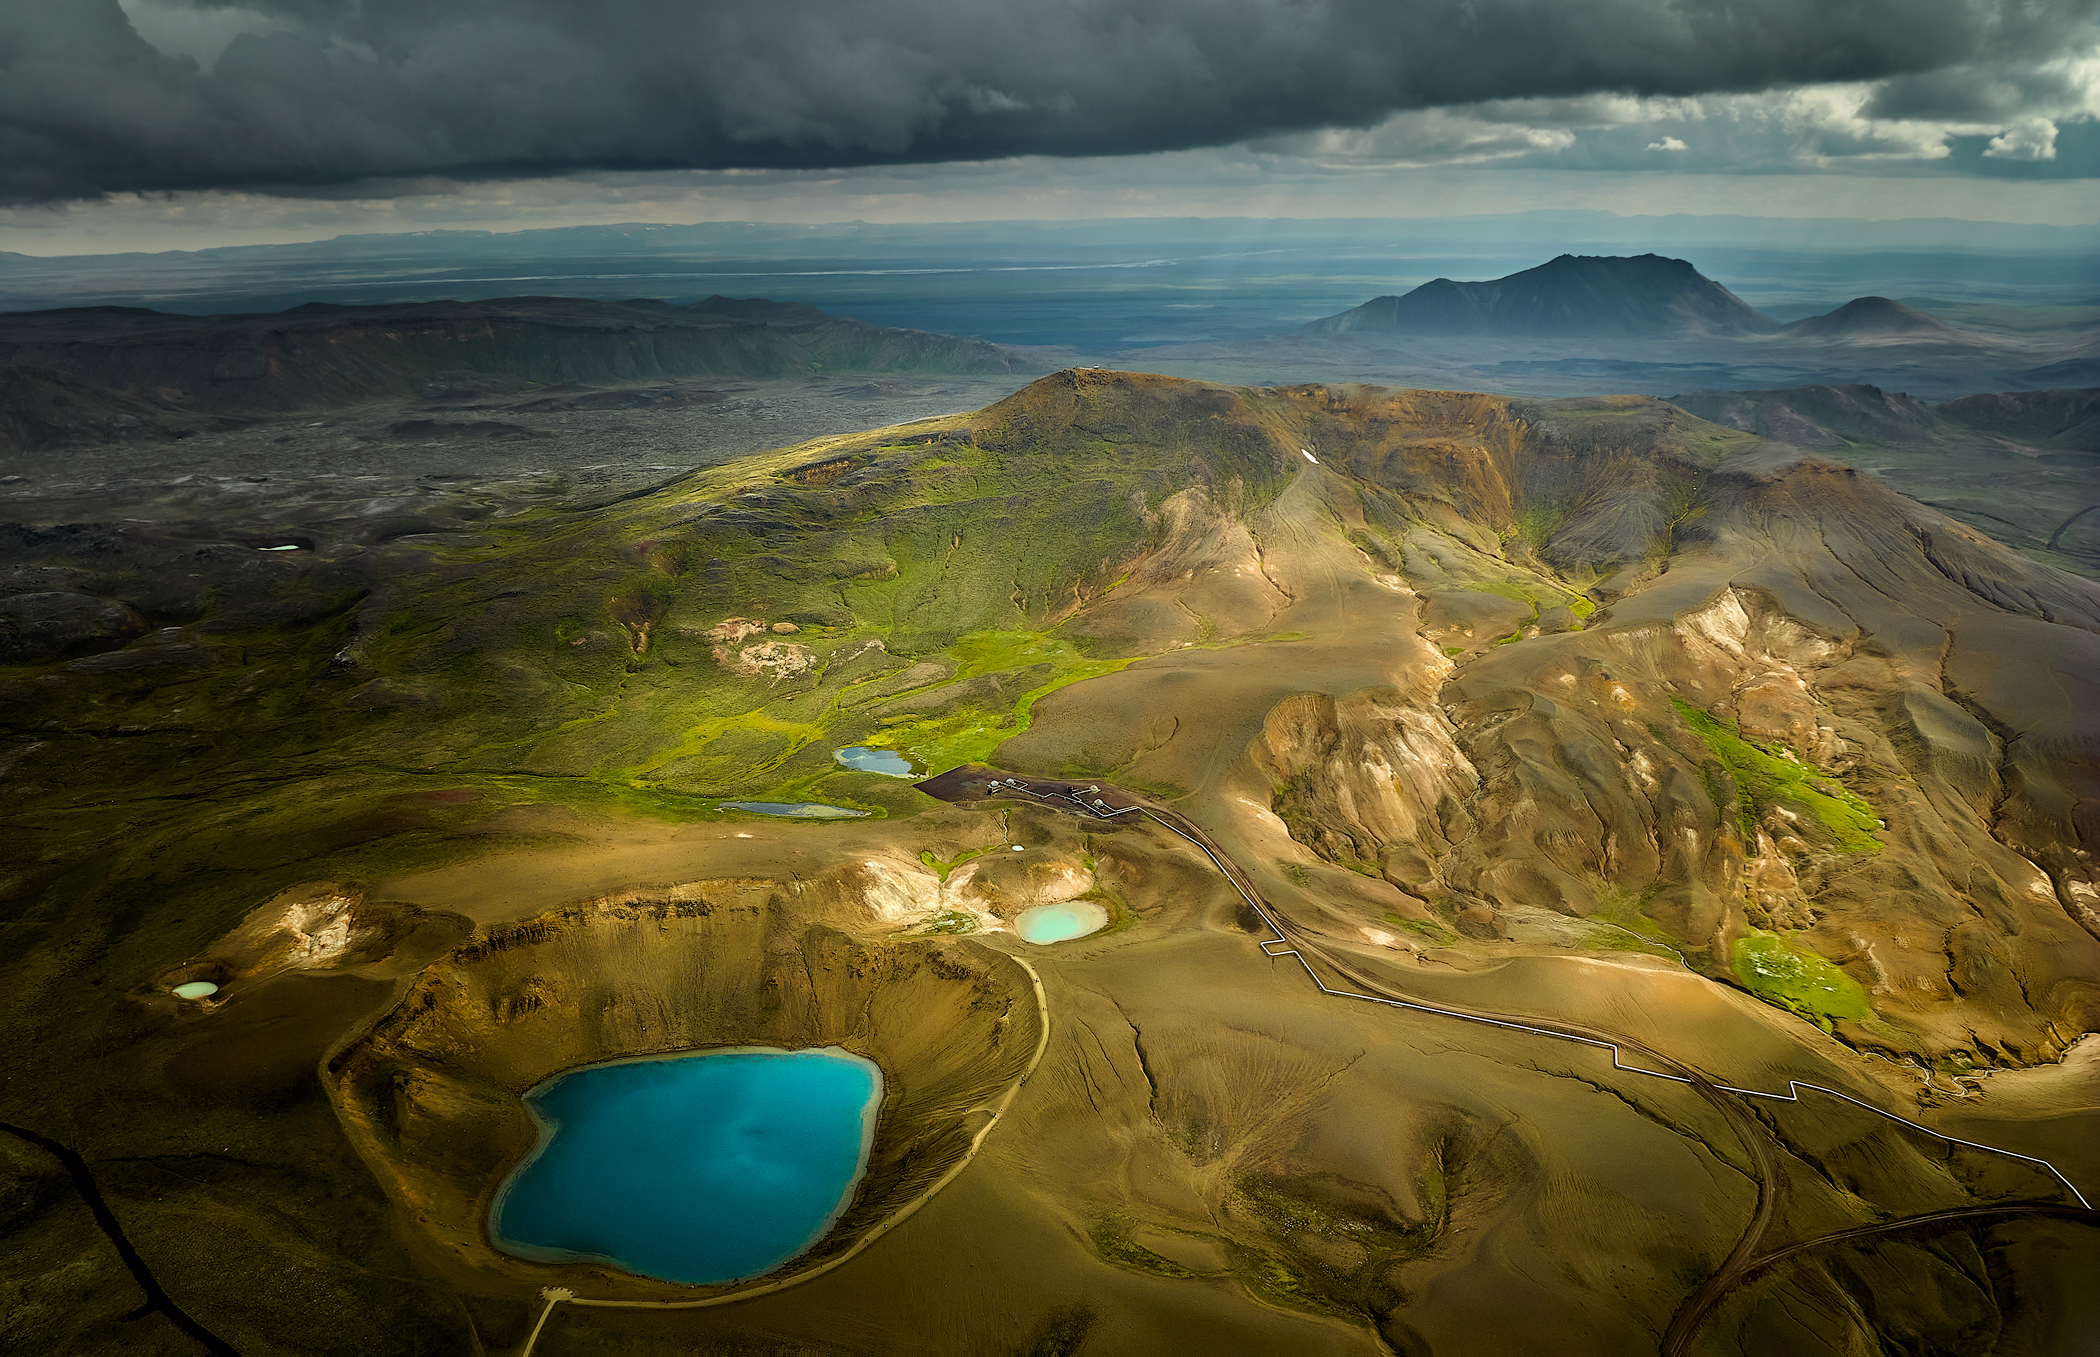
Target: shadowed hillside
2052,419
2020,465
162,369
1845,416
1823,417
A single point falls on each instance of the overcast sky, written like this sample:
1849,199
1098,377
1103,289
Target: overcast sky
179,123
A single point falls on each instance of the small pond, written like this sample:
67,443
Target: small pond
695,1169
794,810
1060,923
887,762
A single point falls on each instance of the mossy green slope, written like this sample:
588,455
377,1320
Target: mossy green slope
1762,779
1797,979
567,656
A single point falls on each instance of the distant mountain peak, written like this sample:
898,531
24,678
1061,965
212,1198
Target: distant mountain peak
1635,296
1874,318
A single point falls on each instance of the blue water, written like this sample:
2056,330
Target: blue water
695,1169
888,762
793,810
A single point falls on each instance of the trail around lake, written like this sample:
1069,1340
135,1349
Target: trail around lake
555,1295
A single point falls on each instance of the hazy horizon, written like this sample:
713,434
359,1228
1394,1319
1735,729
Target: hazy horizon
1914,230
1092,288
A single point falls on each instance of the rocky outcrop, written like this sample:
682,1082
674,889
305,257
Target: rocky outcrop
1371,781
1795,717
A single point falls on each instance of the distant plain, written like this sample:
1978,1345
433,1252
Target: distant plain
1100,287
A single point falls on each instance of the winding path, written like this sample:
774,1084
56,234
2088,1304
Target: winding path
1924,1220
1743,1262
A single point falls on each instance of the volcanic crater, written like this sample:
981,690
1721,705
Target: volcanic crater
432,1094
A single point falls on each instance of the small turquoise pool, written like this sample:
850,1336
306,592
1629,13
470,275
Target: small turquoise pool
887,762
794,810
1060,923
697,1169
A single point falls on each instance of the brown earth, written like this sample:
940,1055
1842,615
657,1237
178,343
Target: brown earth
431,1094
1441,694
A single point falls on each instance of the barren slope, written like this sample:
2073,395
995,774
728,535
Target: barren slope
1584,710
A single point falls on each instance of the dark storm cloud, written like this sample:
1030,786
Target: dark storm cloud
320,92
1974,93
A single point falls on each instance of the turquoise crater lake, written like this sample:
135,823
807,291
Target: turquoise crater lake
698,1169
1046,924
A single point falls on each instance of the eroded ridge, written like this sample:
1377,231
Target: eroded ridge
1093,801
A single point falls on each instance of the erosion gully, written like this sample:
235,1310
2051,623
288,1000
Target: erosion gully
1100,801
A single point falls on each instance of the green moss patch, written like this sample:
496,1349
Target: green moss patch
1763,778
1297,1274
1423,928
1538,591
947,865
1623,910
1794,978
1537,523
1279,1283
1111,1239
970,734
